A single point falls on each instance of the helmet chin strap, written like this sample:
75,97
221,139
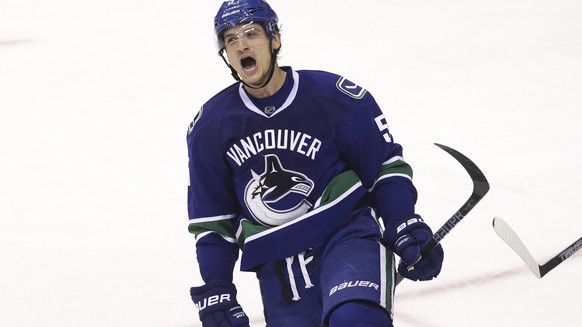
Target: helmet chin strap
237,77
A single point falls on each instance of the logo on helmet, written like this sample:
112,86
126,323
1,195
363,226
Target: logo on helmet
229,13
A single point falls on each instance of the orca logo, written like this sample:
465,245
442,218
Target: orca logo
277,195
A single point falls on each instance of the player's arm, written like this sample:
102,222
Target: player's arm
212,210
217,254
216,248
379,162
406,233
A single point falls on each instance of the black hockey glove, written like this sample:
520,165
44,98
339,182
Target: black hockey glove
407,240
217,305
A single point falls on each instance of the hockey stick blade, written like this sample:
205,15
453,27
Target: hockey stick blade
480,188
507,234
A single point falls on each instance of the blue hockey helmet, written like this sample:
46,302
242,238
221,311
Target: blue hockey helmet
235,12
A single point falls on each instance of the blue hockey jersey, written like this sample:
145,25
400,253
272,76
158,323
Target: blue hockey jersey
278,175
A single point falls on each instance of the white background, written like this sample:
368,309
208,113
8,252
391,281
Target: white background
96,97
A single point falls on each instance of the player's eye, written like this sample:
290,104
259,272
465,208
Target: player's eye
230,39
251,33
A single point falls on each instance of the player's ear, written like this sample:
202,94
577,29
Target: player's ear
277,41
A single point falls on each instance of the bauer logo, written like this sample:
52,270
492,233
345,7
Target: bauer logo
351,284
230,13
349,88
212,300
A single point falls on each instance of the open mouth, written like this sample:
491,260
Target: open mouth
248,63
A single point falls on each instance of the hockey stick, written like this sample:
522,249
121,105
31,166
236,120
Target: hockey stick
510,237
480,188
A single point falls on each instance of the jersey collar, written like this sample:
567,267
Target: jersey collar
252,107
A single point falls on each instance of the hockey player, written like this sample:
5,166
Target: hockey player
298,169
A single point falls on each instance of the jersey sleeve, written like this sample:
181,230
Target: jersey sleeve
212,208
369,149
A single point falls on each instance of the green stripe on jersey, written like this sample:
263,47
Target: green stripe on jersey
338,186
396,167
224,227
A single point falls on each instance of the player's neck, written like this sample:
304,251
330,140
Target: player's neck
274,85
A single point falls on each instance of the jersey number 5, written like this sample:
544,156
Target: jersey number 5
383,126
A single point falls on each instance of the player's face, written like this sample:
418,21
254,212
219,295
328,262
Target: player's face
249,51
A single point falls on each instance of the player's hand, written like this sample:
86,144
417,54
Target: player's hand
217,305
407,240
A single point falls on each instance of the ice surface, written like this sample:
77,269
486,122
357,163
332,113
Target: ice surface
96,96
